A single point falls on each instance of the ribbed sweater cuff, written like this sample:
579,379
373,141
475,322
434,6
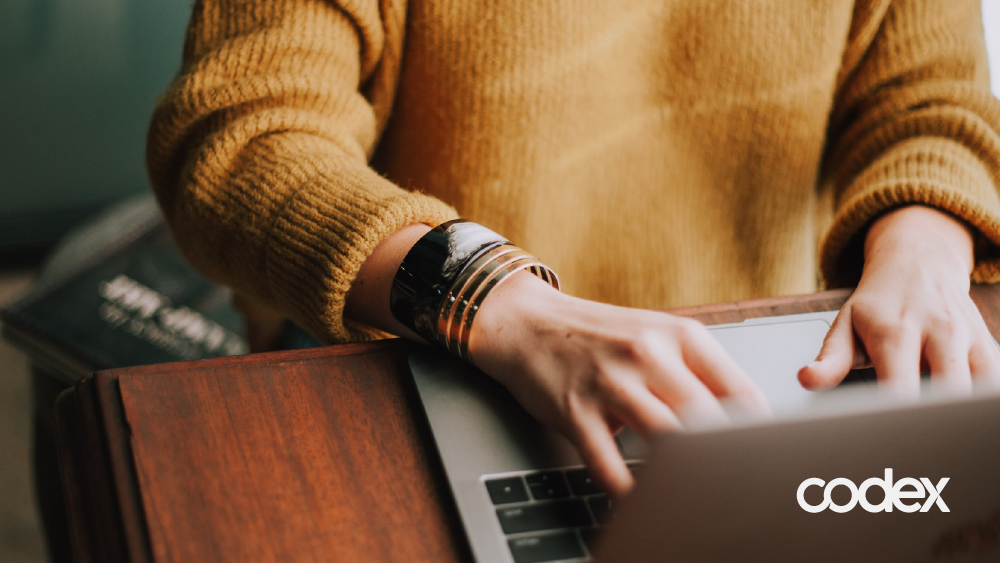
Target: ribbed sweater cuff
324,233
937,172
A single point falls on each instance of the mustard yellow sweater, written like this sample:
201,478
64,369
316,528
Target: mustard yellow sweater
655,153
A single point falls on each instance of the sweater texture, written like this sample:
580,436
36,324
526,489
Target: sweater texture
654,153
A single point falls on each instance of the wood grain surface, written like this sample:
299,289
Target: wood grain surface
312,455
290,460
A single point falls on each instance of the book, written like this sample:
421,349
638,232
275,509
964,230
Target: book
136,301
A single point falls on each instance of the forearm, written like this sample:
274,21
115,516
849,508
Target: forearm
913,126
262,174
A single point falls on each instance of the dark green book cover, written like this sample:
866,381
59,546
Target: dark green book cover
139,303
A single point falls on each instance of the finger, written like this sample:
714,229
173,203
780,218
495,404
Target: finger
644,412
984,361
947,357
720,374
600,454
895,353
685,393
836,357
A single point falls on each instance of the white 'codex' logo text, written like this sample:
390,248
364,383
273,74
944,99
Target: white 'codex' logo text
895,494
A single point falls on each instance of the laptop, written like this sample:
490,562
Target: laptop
729,493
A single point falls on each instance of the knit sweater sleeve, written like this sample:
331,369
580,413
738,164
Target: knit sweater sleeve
913,123
258,151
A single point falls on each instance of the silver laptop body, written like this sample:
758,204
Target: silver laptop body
484,437
734,494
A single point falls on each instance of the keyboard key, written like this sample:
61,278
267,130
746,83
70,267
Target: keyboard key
547,485
570,513
602,509
504,491
582,483
551,547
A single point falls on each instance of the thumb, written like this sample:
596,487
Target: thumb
835,358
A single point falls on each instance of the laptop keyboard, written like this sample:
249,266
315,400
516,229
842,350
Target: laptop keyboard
552,515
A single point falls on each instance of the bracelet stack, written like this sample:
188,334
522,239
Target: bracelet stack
447,275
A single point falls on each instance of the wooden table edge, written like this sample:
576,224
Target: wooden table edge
92,457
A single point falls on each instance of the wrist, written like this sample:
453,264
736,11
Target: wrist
921,233
367,301
507,316
448,274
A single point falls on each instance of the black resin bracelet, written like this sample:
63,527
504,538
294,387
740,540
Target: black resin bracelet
429,269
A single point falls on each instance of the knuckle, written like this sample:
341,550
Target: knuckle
941,321
688,330
576,414
684,400
607,383
689,326
644,346
742,389
955,329
992,350
888,330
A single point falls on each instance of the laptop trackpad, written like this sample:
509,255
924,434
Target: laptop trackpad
772,355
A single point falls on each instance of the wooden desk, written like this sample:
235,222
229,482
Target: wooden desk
313,455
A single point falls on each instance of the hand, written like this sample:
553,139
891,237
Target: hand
586,369
911,312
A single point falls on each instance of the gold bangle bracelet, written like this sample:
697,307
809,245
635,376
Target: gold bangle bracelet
464,352
468,290
479,273
467,294
459,286
461,319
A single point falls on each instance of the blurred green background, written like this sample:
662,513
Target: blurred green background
78,80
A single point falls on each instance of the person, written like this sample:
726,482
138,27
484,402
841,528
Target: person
652,154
